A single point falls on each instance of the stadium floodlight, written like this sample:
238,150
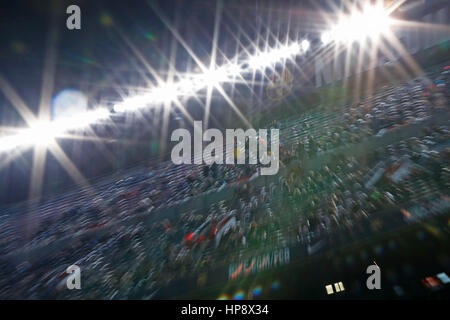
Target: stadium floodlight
234,70
259,60
294,48
266,58
119,107
187,86
377,20
44,132
305,45
371,22
214,76
326,37
285,52
79,121
132,103
165,93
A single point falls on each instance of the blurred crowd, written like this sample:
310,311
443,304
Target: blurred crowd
300,207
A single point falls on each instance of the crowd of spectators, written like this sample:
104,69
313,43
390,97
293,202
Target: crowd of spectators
300,207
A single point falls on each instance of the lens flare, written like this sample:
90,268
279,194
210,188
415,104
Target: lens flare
239,295
275,285
257,291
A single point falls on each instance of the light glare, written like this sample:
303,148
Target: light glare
44,132
326,37
369,23
305,45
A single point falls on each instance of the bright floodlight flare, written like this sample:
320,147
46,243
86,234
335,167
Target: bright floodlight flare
44,132
214,76
326,37
377,20
294,48
27,137
234,70
133,103
47,132
187,86
266,58
305,45
190,85
369,23
118,107
259,60
288,51
164,93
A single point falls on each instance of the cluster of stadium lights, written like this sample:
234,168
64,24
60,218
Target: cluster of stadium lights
371,22
44,132
192,84
368,23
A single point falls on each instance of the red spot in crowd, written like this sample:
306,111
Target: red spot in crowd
430,282
96,226
133,193
190,236
446,67
130,194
